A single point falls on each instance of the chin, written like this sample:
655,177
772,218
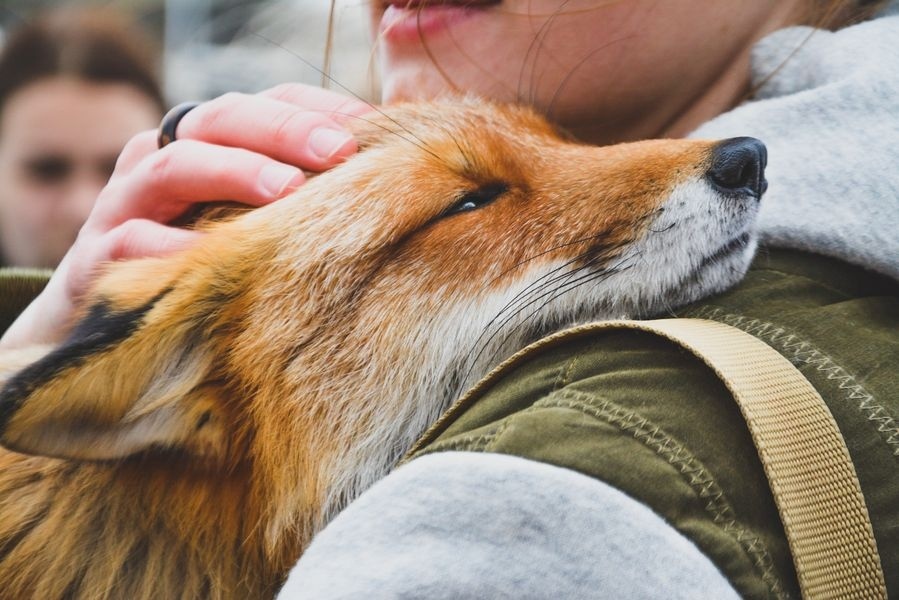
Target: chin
412,83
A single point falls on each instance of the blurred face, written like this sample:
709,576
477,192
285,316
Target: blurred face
608,70
59,138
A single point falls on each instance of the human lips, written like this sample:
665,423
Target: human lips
433,3
410,20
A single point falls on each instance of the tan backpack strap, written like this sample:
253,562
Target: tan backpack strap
805,458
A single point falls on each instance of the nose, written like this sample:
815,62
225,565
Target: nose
738,166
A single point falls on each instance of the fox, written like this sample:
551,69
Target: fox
213,409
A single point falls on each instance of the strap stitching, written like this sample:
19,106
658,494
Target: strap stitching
805,353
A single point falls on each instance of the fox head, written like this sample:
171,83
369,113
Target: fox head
317,337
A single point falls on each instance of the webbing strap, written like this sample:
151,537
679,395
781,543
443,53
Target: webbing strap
805,458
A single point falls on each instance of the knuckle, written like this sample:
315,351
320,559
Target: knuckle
229,99
159,165
138,142
114,243
122,240
138,146
209,116
288,126
109,197
282,127
152,176
286,92
113,189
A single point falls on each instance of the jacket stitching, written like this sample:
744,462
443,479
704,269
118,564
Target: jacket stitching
801,352
491,445
565,372
473,443
693,471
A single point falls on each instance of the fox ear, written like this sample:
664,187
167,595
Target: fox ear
126,380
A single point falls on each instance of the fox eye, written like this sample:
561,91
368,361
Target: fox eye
475,199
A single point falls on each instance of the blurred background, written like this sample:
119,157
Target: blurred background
79,78
213,46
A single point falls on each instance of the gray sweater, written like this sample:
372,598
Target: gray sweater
829,114
480,526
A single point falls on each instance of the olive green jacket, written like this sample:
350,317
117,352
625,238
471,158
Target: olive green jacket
647,417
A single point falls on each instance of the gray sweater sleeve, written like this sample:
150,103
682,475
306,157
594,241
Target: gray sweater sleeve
470,525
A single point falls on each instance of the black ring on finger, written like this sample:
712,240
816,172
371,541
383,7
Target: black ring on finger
170,121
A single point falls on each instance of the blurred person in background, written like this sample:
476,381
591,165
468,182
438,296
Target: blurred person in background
75,86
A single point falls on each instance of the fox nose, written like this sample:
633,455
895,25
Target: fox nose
738,166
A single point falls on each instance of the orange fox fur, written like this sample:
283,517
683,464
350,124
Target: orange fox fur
215,408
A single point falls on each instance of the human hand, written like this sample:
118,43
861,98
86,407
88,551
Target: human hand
250,149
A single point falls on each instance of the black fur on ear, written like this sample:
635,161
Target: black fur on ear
125,381
99,330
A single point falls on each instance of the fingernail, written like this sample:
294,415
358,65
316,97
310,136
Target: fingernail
278,179
325,142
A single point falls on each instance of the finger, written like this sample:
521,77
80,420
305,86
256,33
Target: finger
287,133
137,238
341,108
141,238
165,183
139,147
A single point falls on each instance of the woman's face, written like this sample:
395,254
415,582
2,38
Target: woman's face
59,138
609,70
